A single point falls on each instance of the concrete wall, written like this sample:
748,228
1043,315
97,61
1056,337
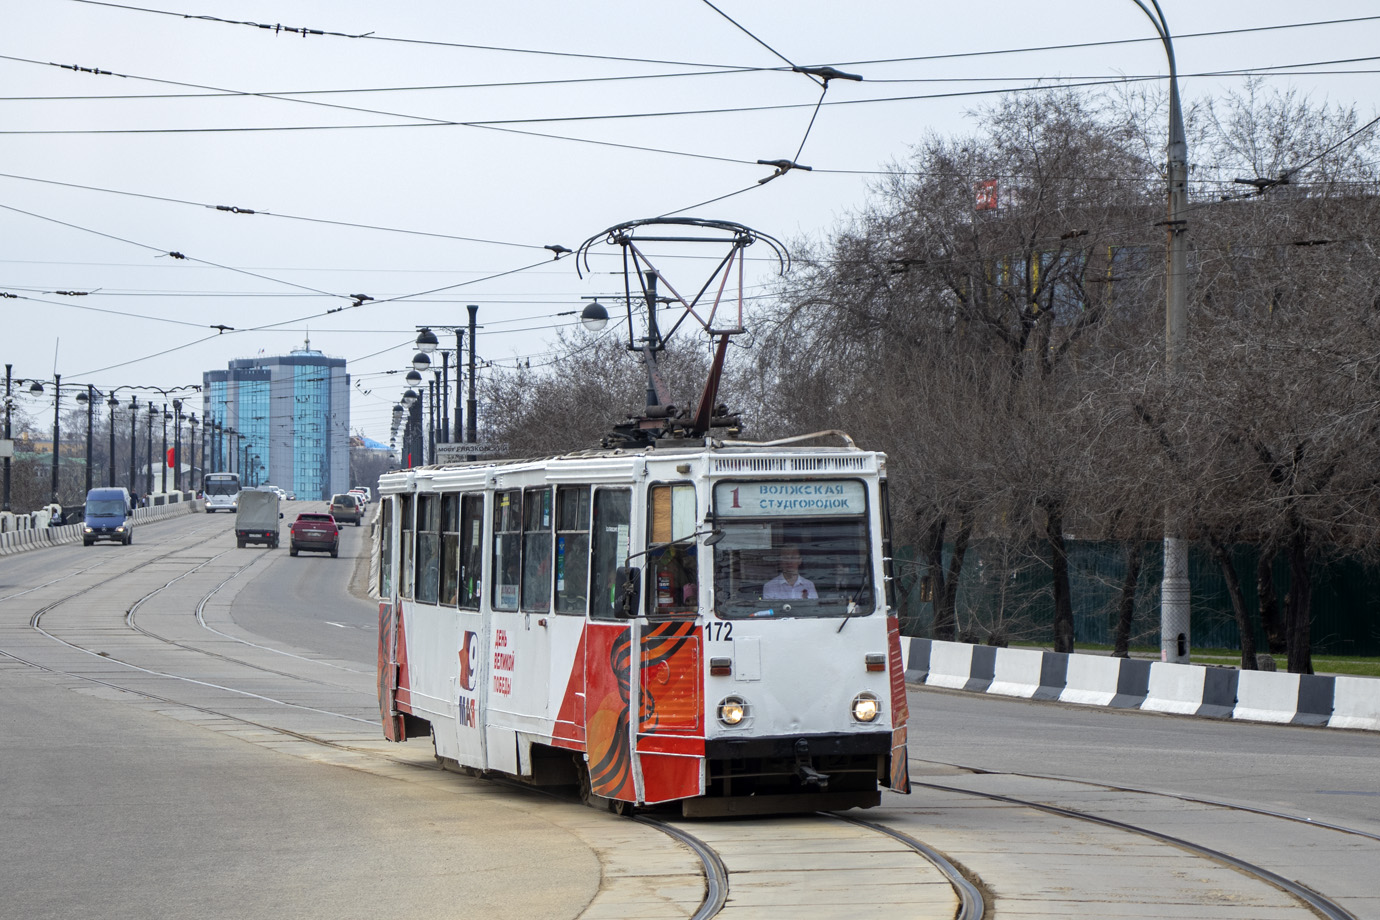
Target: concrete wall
34,533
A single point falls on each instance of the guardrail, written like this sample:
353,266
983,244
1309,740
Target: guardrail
20,533
1152,686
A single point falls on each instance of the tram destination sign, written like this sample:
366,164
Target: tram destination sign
789,498
459,453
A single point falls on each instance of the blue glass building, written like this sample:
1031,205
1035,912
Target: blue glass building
291,420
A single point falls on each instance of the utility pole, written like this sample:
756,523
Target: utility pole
57,409
472,419
163,457
1175,591
148,449
133,443
114,404
9,368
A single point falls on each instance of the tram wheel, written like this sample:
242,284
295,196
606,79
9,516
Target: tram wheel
587,796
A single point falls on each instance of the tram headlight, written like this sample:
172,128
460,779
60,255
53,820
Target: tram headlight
732,710
865,707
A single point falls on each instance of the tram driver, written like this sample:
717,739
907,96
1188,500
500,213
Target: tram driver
790,583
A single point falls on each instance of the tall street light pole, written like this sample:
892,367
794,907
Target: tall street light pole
57,409
177,445
163,457
471,417
148,448
9,368
1175,591
133,443
114,404
191,445
88,398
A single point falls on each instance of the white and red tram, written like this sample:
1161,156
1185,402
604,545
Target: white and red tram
701,622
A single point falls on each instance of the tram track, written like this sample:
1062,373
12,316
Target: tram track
130,619
1322,905
1176,796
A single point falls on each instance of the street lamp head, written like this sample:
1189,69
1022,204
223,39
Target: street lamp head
421,361
112,402
82,397
177,405
594,316
427,341
409,398
134,402
36,388
413,379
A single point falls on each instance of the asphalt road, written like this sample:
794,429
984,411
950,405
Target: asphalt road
116,806
128,795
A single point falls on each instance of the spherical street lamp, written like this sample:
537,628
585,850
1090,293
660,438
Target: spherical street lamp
426,341
421,361
594,317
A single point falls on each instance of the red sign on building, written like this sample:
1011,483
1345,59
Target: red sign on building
986,195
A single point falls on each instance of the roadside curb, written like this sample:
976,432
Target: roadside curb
1152,686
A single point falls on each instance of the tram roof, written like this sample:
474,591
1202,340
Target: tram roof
853,458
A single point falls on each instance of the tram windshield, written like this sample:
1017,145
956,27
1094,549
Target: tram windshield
792,549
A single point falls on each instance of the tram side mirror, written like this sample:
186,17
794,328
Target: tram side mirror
628,579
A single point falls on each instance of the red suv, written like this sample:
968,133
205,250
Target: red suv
314,532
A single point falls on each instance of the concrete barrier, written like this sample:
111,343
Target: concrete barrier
28,538
1016,672
1176,688
1137,683
950,665
1092,680
1355,705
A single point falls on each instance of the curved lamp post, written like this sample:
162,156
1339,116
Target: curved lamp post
1175,591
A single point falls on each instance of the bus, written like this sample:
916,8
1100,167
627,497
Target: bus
694,623
222,491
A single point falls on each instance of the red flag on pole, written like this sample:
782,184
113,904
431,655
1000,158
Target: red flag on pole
170,458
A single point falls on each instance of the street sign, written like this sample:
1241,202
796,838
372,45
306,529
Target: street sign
459,453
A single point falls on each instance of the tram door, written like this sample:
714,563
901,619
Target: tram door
520,660
670,729
608,651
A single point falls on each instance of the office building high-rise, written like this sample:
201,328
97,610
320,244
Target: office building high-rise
283,420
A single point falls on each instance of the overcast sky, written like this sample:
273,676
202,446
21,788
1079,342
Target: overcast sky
423,153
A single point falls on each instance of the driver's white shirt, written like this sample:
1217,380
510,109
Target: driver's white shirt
779,587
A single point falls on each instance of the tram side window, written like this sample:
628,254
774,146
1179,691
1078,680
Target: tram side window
386,550
536,549
673,582
507,549
405,546
450,548
428,548
572,549
471,550
611,528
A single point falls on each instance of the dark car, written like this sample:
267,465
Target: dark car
109,516
346,507
314,532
